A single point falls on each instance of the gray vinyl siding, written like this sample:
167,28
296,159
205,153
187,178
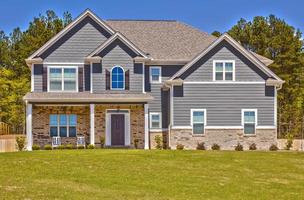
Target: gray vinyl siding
77,43
244,69
37,77
161,100
224,103
117,54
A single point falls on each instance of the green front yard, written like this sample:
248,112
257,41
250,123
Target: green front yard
139,174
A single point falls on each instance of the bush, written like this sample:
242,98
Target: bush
180,147
61,147
102,141
215,147
252,146
20,142
69,146
35,147
47,147
289,141
91,146
273,147
200,146
159,142
239,147
80,147
136,141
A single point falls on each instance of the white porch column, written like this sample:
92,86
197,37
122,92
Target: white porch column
29,135
92,124
146,126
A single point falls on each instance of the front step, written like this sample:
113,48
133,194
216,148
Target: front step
118,147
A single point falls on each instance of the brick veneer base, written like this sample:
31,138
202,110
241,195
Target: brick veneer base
226,138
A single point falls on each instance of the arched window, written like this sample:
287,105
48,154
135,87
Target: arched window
117,78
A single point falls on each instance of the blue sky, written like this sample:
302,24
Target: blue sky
207,15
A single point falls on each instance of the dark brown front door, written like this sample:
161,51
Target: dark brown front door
118,129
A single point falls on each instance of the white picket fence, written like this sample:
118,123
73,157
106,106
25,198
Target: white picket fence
8,143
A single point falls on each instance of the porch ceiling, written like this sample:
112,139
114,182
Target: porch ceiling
86,97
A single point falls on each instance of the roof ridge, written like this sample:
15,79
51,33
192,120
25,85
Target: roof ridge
145,20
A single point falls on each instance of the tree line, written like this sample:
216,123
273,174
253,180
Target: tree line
268,36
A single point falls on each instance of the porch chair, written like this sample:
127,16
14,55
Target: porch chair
56,141
80,141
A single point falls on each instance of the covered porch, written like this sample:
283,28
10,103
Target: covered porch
118,122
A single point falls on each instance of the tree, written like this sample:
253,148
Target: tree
14,73
216,33
280,42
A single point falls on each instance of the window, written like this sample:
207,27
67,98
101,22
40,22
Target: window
155,120
198,121
117,78
249,121
62,79
155,74
63,125
223,70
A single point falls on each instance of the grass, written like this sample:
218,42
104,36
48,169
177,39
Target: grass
139,174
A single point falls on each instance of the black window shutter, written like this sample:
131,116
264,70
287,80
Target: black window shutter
80,79
44,79
108,80
127,80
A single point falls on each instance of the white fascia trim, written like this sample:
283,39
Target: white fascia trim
171,106
117,35
91,77
32,78
181,127
143,78
224,70
275,107
226,82
224,127
160,74
230,40
69,27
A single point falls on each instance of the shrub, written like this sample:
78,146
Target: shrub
136,143
252,146
159,142
80,147
35,147
215,147
273,147
47,147
91,146
20,142
289,141
239,147
200,146
69,146
180,147
102,141
61,147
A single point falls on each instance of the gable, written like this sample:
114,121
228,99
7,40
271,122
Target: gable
119,49
245,70
77,43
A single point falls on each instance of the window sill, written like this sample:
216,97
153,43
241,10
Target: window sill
198,135
249,135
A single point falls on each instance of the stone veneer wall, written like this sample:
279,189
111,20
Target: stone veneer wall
226,138
164,135
41,128
137,120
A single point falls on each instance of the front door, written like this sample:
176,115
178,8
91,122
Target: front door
118,129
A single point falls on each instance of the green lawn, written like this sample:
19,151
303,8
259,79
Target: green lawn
139,174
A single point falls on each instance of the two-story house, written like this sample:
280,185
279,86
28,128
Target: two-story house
129,80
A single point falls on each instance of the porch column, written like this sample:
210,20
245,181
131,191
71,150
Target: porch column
92,124
29,135
146,126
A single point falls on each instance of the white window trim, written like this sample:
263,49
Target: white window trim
160,74
224,70
205,120
67,126
160,120
256,120
62,78
124,78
